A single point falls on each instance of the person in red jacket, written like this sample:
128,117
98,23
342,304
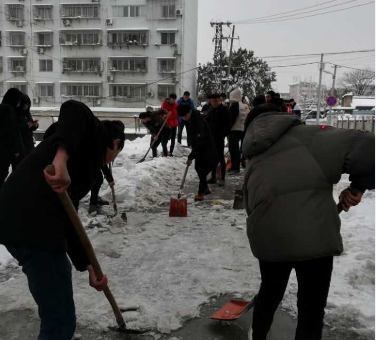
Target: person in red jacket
171,106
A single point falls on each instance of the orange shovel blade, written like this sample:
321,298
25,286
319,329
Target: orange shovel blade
178,207
231,311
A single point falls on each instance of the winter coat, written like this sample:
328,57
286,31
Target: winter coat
289,180
155,124
219,120
24,117
202,141
43,223
189,102
173,108
10,137
238,111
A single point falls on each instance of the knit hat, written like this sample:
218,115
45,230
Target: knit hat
236,96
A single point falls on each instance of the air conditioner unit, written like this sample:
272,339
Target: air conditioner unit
24,51
150,94
20,69
40,50
177,52
36,100
99,102
173,79
179,12
109,22
110,78
66,22
19,23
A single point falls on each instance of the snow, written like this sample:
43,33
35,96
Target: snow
363,101
168,267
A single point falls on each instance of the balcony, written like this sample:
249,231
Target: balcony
166,65
79,11
17,64
82,37
42,12
15,38
44,38
127,64
79,89
134,92
15,13
82,65
128,37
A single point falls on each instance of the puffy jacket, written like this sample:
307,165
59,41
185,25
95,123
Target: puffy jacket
289,182
189,102
173,108
219,120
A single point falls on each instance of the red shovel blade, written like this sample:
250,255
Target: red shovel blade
178,208
233,310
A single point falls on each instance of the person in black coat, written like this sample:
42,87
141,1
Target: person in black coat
27,124
153,121
42,236
11,146
203,147
219,119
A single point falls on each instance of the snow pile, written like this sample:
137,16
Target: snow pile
167,267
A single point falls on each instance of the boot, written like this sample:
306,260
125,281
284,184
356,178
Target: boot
93,209
199,197
207,191
221,183
102,201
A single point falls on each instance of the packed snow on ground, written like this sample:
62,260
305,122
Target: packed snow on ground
168,267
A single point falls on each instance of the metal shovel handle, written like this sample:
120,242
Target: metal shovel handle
86,244
183,180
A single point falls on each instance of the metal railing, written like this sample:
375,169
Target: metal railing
361,123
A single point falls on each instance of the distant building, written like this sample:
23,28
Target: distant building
105,53
361,103
305,93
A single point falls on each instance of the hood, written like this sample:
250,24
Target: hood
12,97
265,130
236,96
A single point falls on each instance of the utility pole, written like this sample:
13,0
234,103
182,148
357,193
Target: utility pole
230,61
334,80
322,66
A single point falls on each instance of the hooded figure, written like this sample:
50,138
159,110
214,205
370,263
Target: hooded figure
11,147
42,237
239,113
293,219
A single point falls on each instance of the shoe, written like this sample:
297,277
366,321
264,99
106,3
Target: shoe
221,183
102,201
199,197
212,181
93,208
235,172
207,191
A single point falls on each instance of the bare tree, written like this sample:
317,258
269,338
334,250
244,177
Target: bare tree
360,82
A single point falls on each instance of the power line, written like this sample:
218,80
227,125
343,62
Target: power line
280,15
307,16
353,68
316,62
317,54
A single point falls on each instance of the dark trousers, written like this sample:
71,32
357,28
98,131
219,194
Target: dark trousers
172,138
202,175
234,139
220,147
6,160
95,190
180,132
49,275
163,139
313,287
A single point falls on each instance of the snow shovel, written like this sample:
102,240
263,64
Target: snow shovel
233,310
85,241
179,207
239,199
123,214
151,145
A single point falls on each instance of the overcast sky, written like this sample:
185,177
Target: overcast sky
353,29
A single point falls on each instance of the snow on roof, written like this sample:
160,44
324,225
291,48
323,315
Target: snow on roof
43,31
170,84
44,82
126,83
80,29
167,29
363,101
43,5
93,109
79,82
128,29
16,81
17,56
166,57
128,56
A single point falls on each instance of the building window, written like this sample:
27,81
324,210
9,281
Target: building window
77,39
80,11
166,65
17,65
128,11
1,89
167,38
128,91
128,65
16,39
46,90
42,13
168,11
81,65
1,64
127,38
20,87
44,39
15,12
81,90
45,65
165,90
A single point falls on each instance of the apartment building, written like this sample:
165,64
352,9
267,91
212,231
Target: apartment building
305,93
110,53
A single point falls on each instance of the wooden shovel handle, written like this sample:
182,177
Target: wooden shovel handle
86,244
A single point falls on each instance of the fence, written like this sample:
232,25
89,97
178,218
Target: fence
361,123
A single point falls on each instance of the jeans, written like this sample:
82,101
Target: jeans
180,132
95,190
234,139
220,147
172,138
202,175
49,274
313,287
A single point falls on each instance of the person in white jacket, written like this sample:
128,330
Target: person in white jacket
239,113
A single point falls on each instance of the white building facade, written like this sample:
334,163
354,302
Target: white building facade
305,93
110,53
